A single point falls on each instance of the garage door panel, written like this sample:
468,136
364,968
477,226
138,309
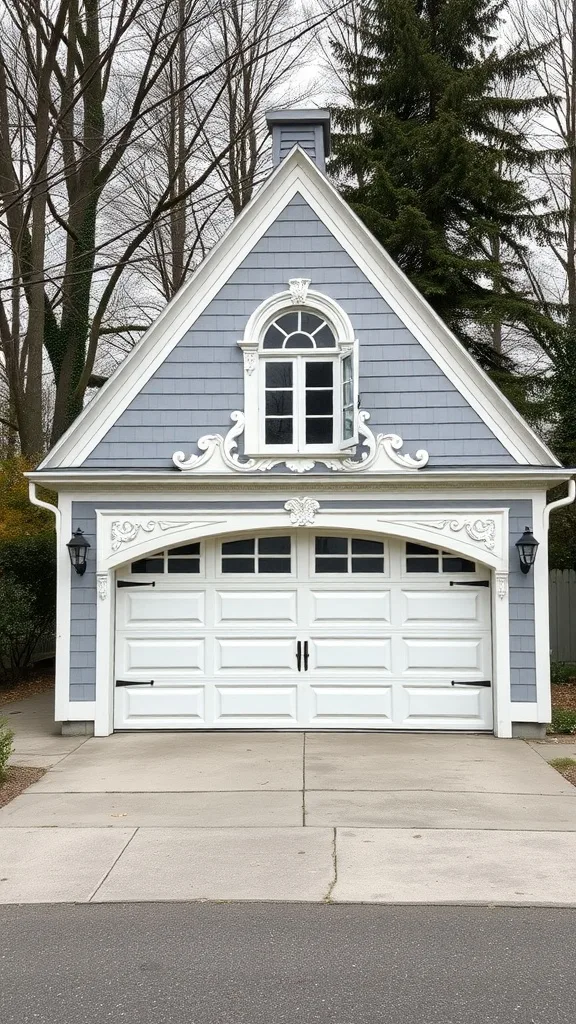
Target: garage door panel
256,606
350,606
254,703
432,706
337,655
255,654
163,654
153,706
174,609
360,704
382,649
443,654
449,607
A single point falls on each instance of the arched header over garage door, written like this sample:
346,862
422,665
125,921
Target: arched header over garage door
479,534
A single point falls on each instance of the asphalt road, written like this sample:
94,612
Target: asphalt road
177,963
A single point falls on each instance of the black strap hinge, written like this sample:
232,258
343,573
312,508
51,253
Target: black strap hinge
471,682
134,682
469,583
131,583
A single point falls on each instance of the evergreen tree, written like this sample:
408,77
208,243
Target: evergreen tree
428,155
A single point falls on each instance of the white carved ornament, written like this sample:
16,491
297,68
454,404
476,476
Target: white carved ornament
299,289
250,360
220,454
483,531
501,584
102,585
302,511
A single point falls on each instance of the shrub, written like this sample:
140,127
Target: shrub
27,601
562,671
563,722
6,746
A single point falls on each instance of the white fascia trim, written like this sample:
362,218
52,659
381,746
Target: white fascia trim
298,174
180,482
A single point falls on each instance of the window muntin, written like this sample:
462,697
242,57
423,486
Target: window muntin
258,555
420,559
299,330
348,555
185,559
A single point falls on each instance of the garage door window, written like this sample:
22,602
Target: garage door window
420,558
348,555
258,555
185,559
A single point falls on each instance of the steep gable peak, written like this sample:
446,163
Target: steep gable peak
298,179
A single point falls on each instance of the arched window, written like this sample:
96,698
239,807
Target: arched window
300,379
299,330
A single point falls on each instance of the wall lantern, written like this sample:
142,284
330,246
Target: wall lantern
77,548
527,548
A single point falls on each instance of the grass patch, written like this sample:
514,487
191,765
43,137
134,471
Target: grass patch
563,722
562,763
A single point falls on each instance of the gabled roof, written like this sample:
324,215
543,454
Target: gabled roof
298,174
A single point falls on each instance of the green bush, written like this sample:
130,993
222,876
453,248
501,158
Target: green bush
6,746
27,601
563,722
562,671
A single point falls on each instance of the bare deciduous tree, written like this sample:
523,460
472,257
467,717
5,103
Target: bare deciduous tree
87,88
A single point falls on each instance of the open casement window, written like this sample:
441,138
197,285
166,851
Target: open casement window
304,396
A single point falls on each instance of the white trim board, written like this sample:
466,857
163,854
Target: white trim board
298,174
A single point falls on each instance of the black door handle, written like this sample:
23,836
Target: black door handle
134,682
471,682
305,655
299,655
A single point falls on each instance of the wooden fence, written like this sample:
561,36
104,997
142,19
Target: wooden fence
563,614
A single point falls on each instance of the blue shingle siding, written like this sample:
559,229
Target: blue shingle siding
83,598
201,381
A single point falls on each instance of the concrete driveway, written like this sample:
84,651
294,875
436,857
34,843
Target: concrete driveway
286,816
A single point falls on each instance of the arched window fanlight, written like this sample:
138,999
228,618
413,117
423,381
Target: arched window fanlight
299,330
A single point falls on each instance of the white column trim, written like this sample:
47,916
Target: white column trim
541,612
63,612
105,640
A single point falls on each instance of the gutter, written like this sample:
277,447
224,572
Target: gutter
45,504
553,505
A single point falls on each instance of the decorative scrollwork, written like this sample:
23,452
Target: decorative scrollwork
124,531
220,454
483,531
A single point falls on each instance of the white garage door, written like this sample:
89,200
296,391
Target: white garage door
303,630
